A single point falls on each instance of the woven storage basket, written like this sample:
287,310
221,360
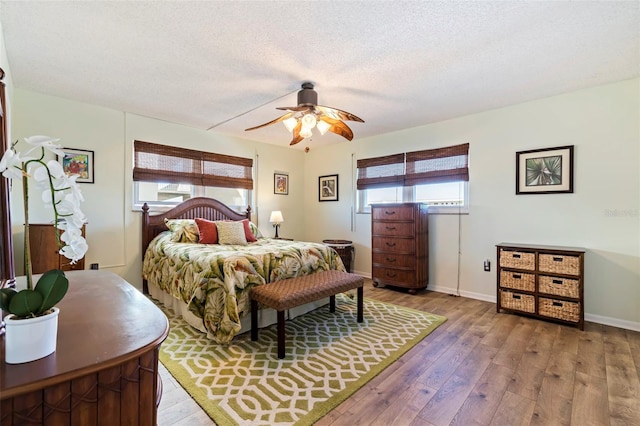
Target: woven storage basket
517,259
517,301
559,286
560,309
517,280
560,264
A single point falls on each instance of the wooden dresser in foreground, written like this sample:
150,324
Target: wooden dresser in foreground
44,250
105,368
400,245
546,282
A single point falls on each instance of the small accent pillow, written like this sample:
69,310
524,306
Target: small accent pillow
182,230
208,231
254,230
231,233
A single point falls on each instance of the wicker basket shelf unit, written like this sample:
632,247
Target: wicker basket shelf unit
546,282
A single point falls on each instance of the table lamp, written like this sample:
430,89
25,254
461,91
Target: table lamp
276,218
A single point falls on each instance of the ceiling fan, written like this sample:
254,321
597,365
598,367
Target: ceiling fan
308,114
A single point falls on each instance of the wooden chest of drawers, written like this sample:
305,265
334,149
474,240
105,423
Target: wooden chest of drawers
542,281
44,250
400,245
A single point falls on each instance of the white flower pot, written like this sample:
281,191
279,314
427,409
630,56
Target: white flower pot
30,339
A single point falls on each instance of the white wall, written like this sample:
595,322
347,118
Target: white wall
113,230
602,215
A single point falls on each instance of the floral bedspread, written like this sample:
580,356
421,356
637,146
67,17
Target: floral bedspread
214,280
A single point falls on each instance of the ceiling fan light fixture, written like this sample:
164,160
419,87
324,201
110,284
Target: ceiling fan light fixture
323,127
305,132
290,123
309,120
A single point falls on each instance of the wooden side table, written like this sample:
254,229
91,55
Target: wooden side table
105,368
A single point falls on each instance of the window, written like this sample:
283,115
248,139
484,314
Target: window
165,176
438,177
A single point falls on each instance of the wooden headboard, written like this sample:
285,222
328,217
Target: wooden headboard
205,208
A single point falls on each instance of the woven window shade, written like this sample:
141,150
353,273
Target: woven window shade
380,172
162,163
441,165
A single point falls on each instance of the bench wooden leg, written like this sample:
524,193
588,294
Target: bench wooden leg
254,320
332,303
281,335
360,303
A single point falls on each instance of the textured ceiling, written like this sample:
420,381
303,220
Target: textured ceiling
395,64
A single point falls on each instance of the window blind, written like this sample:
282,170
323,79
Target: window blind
380,172
161,163
440,165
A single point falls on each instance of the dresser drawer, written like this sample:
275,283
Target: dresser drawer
393,260
559,264
394,275
518,280
560,309
392,213
517,259
404,229
517,301
557,286
395,245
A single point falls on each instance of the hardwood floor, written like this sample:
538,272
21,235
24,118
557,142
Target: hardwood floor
483,368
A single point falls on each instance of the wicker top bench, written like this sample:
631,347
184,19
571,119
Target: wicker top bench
292,292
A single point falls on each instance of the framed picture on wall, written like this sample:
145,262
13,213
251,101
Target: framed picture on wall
545,171
328,188
281,183
78,162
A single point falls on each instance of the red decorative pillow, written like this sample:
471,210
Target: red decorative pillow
247,231
208,231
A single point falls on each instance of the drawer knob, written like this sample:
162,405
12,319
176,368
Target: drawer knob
557,259
516,256
389,212
517,276
516,296
391,259
557,282
390,228
556,304
391,244
391,274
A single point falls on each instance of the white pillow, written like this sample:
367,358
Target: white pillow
231,233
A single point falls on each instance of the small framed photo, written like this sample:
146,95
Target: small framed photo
328,188
281,183
545,171
78,162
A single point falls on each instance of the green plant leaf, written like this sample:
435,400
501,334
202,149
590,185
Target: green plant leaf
25,303
5,298
52,285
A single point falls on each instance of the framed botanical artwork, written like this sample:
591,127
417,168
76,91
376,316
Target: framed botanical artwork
328,188
545,171
281,183
78,162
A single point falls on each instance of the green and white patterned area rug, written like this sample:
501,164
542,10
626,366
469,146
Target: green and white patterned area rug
329,357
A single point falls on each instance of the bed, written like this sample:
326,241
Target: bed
209,284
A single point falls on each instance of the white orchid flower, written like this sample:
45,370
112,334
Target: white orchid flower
11,165
45,142
75,249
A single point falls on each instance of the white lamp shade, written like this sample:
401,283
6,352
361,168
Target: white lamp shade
306,132
290,123
309,121
276,217
323,126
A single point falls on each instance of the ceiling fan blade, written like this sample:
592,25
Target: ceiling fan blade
295,108
338,127
338,114
281,118
296,134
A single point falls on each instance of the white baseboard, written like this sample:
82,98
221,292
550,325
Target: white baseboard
599,319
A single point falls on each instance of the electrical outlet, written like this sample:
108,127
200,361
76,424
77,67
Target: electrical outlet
487,265
94,266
